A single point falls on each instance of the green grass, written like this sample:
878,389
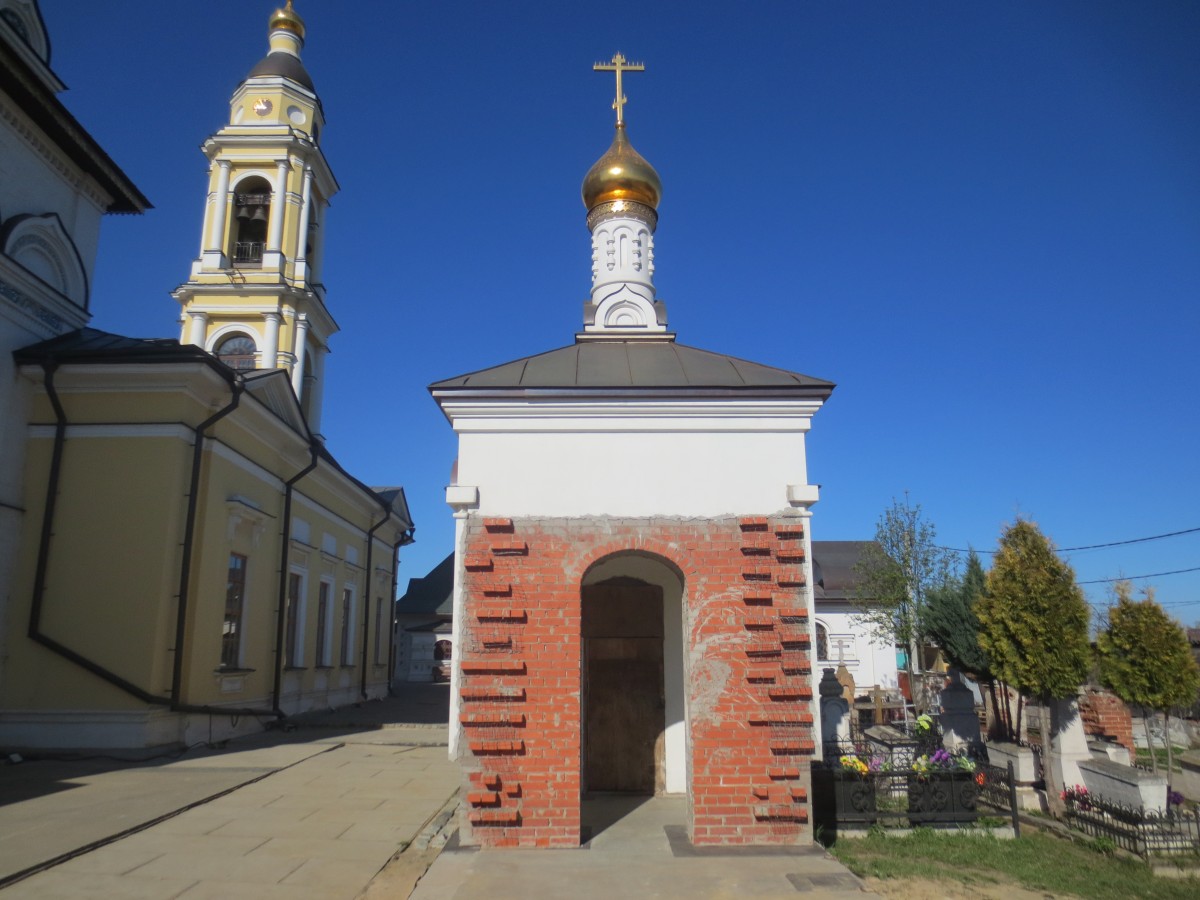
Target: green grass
1037,862
1143,757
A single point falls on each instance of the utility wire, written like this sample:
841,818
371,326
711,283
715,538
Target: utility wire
1153,537
1139,577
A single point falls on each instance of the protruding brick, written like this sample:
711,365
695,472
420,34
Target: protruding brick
499,665
509,547
498,525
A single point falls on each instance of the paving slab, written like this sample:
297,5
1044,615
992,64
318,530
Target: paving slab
52,807
316,828
636,851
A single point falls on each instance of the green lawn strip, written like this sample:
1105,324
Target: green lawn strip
1037,861
1143,758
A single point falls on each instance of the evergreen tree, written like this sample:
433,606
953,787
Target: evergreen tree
1034,627
951,621
1146,660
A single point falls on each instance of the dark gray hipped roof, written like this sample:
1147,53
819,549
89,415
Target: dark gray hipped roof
433,593
635,364
833,568
93,345
284,65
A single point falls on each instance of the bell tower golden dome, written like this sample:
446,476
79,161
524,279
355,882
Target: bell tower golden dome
287,19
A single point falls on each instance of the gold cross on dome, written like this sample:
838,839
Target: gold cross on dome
619,64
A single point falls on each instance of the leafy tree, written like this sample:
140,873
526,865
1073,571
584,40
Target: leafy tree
894,577
1145,659
1034,627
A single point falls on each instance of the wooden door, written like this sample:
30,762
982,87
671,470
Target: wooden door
623,686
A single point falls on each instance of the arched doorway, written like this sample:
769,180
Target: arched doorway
632,677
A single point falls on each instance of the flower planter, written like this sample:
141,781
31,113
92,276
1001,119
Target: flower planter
854,798
938,797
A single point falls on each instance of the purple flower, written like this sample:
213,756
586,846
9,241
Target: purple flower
1174,798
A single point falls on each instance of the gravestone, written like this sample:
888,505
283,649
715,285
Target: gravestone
835,711
960,724
1068,741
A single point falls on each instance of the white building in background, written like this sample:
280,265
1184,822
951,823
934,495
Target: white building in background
841,634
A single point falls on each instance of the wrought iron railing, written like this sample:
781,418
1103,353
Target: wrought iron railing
248,251
861,783
1143,832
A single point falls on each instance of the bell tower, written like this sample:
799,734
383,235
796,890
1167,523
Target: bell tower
254,297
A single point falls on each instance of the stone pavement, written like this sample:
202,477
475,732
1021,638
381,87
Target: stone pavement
314,812
349,803
639,850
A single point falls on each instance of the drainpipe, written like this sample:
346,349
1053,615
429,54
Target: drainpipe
284,553
189,536
391,655
42,565
367,609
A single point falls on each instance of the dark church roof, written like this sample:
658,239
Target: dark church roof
93,345
638,364
833,568
284,65
433,593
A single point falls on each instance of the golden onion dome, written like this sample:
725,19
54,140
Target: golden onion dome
621,174
287,20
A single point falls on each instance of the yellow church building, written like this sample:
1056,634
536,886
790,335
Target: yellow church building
194,563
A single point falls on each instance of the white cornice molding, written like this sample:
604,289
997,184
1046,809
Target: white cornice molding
616,415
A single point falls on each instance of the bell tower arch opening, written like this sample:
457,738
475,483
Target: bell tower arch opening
251,212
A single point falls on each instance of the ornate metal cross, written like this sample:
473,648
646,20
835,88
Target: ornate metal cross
619,64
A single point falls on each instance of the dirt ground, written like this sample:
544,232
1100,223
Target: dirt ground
931,889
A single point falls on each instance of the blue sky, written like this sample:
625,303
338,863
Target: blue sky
981,220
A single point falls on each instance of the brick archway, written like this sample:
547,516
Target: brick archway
746,690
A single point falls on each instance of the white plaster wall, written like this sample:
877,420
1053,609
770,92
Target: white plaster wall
869,662
631,474
35,181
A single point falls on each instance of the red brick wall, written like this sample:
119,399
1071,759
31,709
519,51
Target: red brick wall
748,674
1105,715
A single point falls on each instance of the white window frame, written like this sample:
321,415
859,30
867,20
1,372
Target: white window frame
325,629
296,655
348,630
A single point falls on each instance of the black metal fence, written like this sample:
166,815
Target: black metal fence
862,784
1170,832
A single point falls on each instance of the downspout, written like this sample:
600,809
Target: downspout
391,657
367,608
189,537
405,539
284,554
42,565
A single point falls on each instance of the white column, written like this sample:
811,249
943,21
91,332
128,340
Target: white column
270,352
278,203
198,329
216,229
316,390
302,235
301,351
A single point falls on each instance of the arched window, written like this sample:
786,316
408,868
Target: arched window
822,642
251,211
237,351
